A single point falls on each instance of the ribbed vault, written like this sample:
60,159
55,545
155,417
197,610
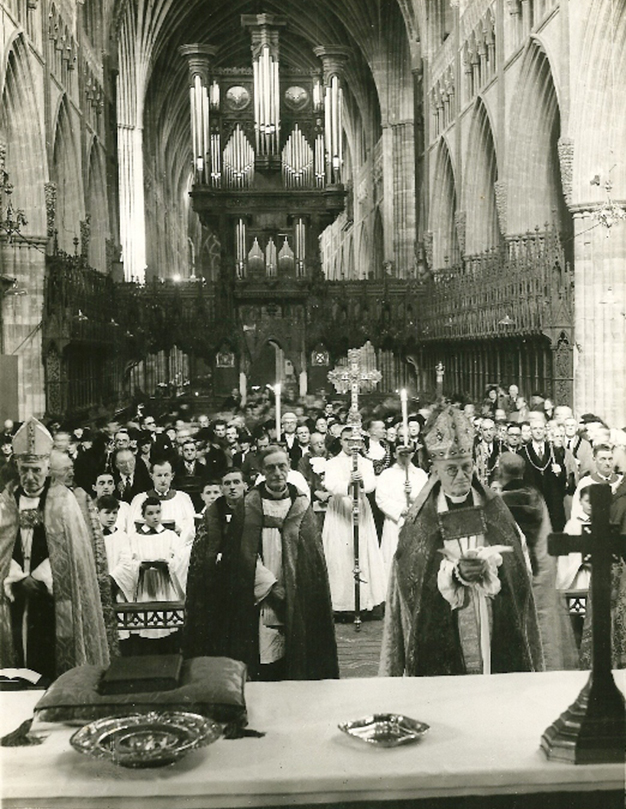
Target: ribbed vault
153,86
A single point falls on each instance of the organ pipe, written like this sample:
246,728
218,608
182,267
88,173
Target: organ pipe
333,59
198,58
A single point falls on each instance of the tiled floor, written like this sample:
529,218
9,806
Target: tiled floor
359,651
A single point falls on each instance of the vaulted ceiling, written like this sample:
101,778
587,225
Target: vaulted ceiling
378,33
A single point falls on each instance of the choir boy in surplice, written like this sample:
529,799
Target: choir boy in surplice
159,555
396,489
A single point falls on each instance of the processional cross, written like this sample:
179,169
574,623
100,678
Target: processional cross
344,379
593,729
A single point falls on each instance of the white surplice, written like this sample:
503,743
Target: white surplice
392,501
338,537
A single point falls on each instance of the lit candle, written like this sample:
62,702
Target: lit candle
277,404
405,416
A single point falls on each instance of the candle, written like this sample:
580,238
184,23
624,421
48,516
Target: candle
405,416
277,403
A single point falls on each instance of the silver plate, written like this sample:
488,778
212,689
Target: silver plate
145,740
385,729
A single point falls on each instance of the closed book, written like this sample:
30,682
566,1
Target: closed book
142,673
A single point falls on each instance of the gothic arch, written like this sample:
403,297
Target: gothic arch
97,207
535,191
66,175
21,133
601,97
479,196
444,209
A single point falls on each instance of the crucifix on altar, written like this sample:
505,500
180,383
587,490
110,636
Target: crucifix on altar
593,729
344,379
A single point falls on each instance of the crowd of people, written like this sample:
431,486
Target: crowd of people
251,524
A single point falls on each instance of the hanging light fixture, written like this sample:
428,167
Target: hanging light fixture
16,290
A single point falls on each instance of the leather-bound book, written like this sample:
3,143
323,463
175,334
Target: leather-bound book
141,674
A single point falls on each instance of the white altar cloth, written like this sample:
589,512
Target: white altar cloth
484,740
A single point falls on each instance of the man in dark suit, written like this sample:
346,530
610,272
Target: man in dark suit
130,478
487,451
513,438
545,470
162,446
301,446
215,457
190,473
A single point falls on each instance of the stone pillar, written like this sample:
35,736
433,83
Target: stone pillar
21,320
404,233
600,318
303,383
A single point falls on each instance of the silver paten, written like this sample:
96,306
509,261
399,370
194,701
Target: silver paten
385,729
145,740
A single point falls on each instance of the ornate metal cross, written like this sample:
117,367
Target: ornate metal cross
350,378
593,729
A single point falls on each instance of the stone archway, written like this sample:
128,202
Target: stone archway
480,229
444,209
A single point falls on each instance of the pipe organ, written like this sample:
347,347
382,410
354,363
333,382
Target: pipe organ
267,152
198,59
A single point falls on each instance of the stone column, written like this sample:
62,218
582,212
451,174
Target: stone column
600,317
21,320
404,234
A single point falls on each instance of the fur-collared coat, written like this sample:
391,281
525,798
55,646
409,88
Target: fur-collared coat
421,635
222,618
78,623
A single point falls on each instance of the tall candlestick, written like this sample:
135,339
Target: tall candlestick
405,416
277,405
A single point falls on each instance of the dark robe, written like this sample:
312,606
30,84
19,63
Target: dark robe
539,473
78,631
421,636
222,618
530,512
40,618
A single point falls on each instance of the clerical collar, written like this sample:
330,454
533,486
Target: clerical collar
458,502
41,494
268,494
168,495
34,496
